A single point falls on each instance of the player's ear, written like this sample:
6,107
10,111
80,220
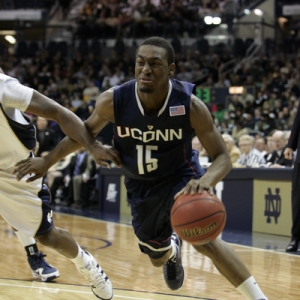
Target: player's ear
171,69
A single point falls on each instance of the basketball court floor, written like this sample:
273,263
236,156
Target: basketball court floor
112,241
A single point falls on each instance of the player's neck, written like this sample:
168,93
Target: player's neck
152,102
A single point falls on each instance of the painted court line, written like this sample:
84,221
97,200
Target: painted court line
57,290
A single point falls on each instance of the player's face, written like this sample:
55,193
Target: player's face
151,69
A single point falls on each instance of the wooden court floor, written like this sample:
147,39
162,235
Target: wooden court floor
115,248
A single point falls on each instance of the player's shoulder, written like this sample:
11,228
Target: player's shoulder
106,95
127,85
7,78
197,102
182,86
7,81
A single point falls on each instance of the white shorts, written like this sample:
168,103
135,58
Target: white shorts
25,206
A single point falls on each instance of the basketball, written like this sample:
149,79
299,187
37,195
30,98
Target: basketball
198,219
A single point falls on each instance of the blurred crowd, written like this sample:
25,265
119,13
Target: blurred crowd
137,18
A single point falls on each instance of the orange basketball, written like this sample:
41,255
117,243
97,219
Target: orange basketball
198,219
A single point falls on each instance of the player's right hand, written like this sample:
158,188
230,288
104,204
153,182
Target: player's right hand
36,166
104,153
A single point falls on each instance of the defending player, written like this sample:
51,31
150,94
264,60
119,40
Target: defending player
26,207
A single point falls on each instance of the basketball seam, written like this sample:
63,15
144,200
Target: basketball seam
199,199
194,221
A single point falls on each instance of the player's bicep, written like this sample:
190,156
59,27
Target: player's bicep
95,123
102,114
45,107
200,117
208,134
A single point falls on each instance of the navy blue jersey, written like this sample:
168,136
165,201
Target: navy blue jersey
152,147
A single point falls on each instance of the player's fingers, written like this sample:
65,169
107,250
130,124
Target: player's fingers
33,178
209,189
116,161
20,175
20,172
178,194
104,163
25,170
114,157
21,162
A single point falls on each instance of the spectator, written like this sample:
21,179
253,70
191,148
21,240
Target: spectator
246,97
250,156
57,169
203,155
233,150
81,168
261,145
91,92
45,136
234,103
277,159
83,111
55,178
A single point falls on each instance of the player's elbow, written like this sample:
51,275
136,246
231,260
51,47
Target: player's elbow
90,129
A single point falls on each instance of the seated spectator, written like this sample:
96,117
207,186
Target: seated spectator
219,113
183,73
246,97
269,146
55,178
83,111
250,156
91,92
277,159
234,103
81,168
45,136
261,145
238,129
203,156
116,78
232,148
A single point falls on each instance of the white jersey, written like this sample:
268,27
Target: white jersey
25,206
15,143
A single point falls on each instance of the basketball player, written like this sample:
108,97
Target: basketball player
155,119
26,207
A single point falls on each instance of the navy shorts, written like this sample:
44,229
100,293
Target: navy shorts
151,203
47,215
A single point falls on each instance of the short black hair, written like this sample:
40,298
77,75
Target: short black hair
162,43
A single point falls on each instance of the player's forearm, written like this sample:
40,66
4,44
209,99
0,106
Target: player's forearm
220,167
76,130
69,123
64,148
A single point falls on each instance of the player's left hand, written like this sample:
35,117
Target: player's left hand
195,186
